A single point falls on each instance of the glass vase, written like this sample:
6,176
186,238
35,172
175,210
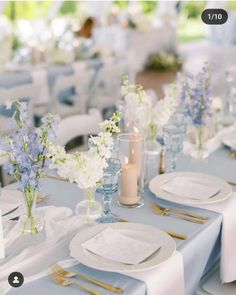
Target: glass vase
201,137
152,146
131,155
31,222
89,209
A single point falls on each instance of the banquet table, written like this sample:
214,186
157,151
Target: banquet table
200,251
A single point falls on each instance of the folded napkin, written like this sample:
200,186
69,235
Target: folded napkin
43,250
189,188
9,200
113,245
40,81
212,144
228,236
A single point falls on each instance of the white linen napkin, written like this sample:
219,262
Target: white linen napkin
40,81
212,144
166,278
47,247
9,200
190,188
228,236
114,245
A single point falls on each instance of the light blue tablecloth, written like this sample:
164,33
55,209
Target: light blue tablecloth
200,251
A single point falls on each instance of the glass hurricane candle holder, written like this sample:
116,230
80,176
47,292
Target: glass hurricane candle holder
131,155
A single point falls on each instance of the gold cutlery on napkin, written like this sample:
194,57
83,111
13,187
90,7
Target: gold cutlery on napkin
160,212
183,212
64,282
170,233
68,274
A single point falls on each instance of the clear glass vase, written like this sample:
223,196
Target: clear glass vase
152,146
201,137
31,222
89,209
131,155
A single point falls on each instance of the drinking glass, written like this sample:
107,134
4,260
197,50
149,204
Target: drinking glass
173,138
109,186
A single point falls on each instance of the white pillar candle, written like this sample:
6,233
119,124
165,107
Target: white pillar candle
2,252
129,185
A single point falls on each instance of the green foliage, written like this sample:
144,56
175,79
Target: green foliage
194,9
232,4
27,9
164,61
121,4
68,7
149,6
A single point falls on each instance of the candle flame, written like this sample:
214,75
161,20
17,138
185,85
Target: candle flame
126,160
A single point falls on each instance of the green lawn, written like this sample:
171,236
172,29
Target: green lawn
190,30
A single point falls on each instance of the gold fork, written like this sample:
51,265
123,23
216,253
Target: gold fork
181,212
163,213
68,274
63,282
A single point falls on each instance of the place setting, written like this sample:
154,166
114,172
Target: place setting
117,148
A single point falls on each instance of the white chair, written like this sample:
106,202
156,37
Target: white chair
106,89
79,99
79,125
27,92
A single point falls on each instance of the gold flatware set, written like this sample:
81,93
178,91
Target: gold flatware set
191,217
61,277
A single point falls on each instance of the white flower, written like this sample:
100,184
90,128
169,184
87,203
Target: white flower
8,105
217,104
86,168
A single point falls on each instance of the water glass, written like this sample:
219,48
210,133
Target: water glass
108,187
173,138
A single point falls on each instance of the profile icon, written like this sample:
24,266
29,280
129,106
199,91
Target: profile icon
16,279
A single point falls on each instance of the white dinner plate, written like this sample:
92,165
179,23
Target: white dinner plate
9,200
134,230
156,183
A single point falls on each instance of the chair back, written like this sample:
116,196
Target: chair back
22,93
78,125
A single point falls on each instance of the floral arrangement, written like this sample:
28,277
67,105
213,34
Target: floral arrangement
142,112
80,166
28,157
27,148
164,61
195,92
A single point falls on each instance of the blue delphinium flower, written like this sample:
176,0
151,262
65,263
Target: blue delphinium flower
195,93
27,148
